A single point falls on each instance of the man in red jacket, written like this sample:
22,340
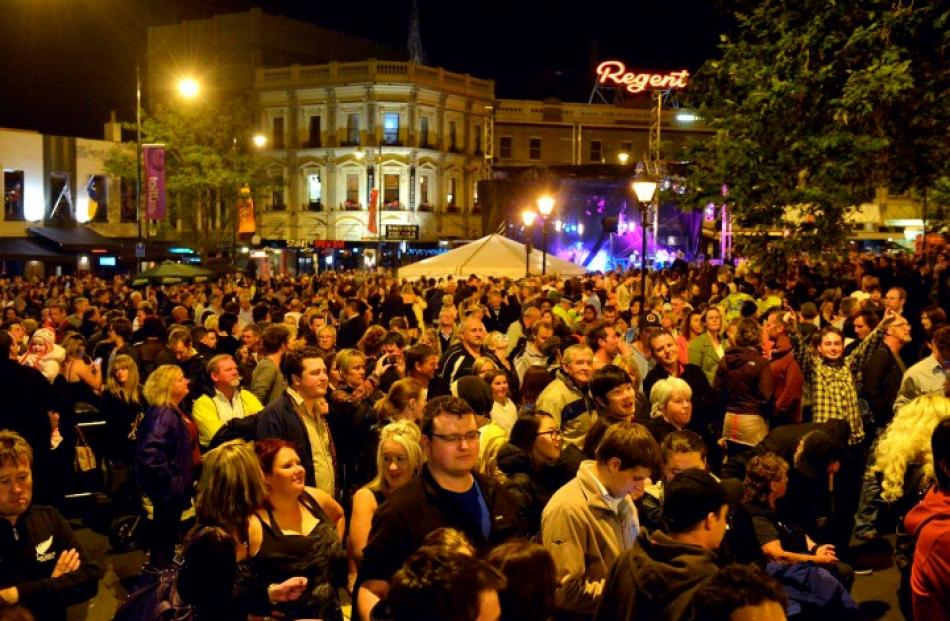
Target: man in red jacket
929,523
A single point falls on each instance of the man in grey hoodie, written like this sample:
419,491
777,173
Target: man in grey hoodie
656,578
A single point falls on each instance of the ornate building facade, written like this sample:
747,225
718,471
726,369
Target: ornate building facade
341,135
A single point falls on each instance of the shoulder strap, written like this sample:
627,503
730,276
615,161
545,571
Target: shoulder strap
311,504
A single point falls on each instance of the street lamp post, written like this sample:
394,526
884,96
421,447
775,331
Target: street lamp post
379,204
527,216
644,188
545,207
138,159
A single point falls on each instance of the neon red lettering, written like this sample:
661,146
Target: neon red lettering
616,72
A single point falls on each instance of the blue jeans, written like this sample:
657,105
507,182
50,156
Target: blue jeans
869,505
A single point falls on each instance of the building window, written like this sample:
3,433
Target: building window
504,148
314,192
60,204
478,140
278,132
313,135
626,147
424,132
596,151
127,211
451,194
391,128
353,128
13,195
96,191
353,190
391,191
453,136
534,149
424,190
277,192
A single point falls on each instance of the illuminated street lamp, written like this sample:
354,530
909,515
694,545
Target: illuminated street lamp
645,189
624,157
527,216
188,87
259,140
545,207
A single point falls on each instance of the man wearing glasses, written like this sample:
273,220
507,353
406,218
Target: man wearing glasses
882,373
446,493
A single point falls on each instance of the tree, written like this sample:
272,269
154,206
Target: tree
208,158
816,104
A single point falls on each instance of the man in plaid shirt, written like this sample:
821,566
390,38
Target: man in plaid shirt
833,379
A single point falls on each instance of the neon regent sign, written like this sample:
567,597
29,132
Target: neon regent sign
614,72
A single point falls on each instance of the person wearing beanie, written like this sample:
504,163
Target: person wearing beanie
658,576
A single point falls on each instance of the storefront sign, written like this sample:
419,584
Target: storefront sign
328,243
402,232
298,243
614,72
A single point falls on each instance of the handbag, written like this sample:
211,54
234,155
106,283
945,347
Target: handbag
85,458
157,599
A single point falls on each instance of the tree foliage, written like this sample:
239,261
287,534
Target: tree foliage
208,158
816,104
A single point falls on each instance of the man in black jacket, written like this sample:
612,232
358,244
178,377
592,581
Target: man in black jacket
299,416
882,373
657,577
357,317
42,566
445,493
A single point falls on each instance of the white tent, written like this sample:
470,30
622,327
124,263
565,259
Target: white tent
494,255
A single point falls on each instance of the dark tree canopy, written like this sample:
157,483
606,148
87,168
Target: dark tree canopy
817,104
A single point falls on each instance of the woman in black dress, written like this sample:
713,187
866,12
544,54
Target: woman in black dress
301,535
217,575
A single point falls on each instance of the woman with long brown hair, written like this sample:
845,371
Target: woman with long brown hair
121,404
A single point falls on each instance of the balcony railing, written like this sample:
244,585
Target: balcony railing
375,71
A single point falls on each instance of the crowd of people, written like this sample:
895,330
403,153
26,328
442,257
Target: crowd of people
480,448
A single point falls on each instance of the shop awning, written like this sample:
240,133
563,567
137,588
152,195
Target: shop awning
25,249
75,239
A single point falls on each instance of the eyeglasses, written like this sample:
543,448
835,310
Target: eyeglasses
554,433
455,438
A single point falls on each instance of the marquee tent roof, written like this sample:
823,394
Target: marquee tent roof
493,255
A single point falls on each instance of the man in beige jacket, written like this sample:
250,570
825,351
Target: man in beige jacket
591,520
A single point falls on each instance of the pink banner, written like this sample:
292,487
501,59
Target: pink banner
153,158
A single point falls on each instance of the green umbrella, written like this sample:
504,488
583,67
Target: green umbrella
170,273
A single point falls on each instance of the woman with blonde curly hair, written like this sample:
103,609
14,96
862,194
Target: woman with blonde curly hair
903,464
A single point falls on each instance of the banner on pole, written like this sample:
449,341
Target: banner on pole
371,217
246,211
153,158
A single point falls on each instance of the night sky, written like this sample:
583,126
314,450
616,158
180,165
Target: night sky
67,63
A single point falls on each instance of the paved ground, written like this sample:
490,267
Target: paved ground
876,593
